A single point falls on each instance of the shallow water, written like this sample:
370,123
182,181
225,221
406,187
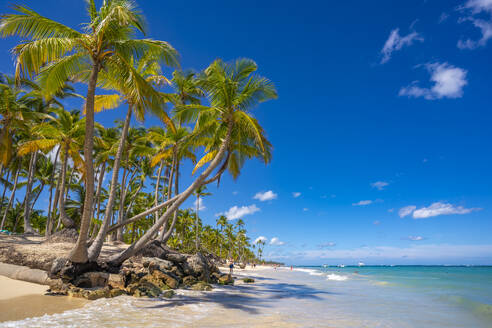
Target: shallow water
306,297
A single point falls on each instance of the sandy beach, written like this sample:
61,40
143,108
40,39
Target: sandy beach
20,300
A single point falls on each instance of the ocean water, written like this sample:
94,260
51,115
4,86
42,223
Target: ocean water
355,297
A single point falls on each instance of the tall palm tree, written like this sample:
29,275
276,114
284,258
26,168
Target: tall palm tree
200,192
138,92
233,90
58,53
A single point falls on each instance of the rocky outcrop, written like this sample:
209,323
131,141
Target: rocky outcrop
154,272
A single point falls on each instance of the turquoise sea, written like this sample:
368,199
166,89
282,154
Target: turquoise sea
413,296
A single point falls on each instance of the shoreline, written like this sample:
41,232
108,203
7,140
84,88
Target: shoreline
20,300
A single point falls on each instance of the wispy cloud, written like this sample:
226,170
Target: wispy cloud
363,203
439,208
296,194
377,222
396,42
260,238
236,212
448,82
275,241
476,7
305,209
415,238
435,209
407,210
327,245
379,185
264,196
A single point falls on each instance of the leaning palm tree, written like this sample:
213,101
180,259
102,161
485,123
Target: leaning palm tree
233,90
58,53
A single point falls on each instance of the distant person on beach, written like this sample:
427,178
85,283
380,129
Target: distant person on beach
291,268
231,266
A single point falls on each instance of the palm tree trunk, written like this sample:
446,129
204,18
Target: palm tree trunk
139,244
97,203
41,187
79,252
28,229
196,221
157,185
165,237
52,178
5,187
96,246
67,222
121,210
11,199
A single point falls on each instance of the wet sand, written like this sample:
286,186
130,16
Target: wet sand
20,300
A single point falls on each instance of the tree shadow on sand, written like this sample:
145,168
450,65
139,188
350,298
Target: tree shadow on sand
247,298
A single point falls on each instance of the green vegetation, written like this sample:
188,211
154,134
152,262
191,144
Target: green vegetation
45,146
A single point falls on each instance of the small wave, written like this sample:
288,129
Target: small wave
312,272
336,277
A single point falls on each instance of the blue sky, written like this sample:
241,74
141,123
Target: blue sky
381,108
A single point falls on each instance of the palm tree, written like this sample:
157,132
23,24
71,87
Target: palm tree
199,192
66,132
233,90
58,53
138,92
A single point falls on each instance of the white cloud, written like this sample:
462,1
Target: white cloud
305,209
236,212
439,208
235,193
276,242
415,238
379,185
377,222
407,210
448,80
260,238
362,203
264,196
328,244
296,194
396,42
476,7
201,206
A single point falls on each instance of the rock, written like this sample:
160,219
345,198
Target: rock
177,271
197,266
249,280
116,292
176,257
189,280
155,263
169,279
145,288
202,286
97,294
97,279
116,281
168,293
155,281
226,279
215,276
